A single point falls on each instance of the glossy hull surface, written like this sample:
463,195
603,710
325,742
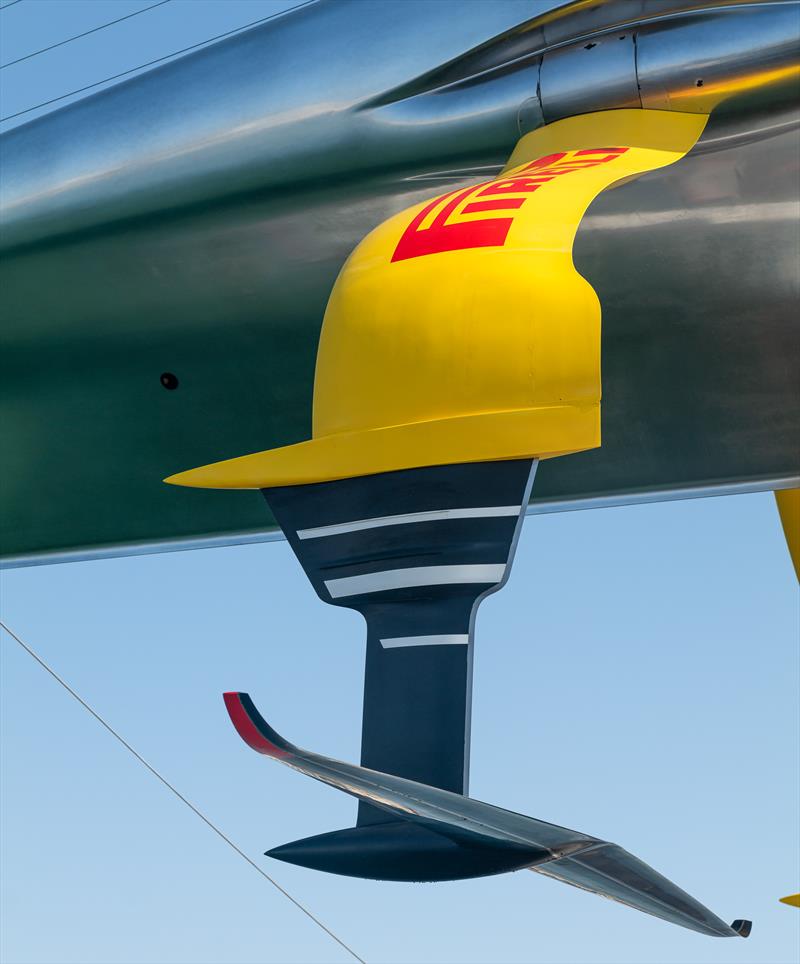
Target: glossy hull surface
193,221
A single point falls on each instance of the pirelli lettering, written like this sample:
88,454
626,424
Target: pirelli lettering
448,223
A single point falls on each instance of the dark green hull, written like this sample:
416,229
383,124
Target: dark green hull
223,281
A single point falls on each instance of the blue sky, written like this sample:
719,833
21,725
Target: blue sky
637,679
33,24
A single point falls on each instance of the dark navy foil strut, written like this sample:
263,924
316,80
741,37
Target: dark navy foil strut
415,552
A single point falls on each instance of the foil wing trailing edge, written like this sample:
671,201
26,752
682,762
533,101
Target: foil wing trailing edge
435,831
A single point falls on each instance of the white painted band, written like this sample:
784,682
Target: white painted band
434,515
418,576
456,639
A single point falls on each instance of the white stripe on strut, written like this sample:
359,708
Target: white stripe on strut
418,576
457,639
435,515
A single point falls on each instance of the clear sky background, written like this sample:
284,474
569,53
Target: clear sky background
637,679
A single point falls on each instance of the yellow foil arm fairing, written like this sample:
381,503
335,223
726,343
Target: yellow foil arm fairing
789,508
459,330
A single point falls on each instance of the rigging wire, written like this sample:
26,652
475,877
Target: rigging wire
7,5
179,795
152,63
84,34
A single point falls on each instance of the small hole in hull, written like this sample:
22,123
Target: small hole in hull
589,46
699,83
169,381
